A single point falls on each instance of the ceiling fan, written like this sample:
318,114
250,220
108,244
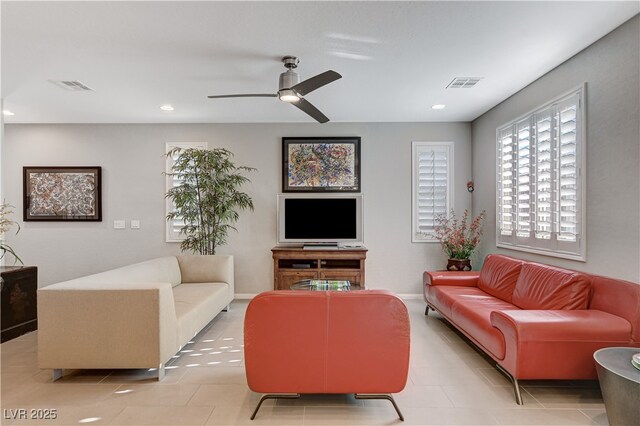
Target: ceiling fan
292,90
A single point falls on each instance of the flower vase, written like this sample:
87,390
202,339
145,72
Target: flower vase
459,265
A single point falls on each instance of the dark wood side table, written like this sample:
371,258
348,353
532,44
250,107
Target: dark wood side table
19,303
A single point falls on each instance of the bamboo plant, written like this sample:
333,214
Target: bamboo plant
208,197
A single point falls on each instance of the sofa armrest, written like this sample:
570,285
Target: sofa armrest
89,325
454,278
561,325
207,269
557,344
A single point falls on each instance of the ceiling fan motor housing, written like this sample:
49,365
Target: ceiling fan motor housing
288,79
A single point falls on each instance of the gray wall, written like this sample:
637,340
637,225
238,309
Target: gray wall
133,188
610,69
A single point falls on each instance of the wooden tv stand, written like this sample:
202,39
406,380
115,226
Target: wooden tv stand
292,264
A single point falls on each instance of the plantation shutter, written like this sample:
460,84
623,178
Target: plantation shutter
567,166
539,180
432,163
545,155
523,179
506,170
173,226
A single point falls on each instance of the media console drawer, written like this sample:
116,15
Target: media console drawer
293,264
19,286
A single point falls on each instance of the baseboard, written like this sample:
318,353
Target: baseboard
404,296
410,296
245,296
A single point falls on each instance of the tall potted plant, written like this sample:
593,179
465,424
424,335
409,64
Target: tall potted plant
208,198
459,239
6,210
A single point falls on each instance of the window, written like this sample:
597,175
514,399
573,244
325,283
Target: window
540,202
173,227
432,175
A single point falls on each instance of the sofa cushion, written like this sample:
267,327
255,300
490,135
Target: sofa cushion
442,298
546,287
195,304
206,268
473,315
499,275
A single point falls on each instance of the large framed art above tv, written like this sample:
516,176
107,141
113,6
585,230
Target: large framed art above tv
321,164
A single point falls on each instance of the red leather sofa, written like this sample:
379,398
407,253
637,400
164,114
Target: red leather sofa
537,321
300,342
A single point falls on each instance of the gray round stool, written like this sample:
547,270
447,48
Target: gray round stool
620,385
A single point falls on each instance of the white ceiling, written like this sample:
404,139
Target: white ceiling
396,58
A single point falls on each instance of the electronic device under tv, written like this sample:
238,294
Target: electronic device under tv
318,221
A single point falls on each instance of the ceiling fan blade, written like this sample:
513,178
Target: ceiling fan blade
313,83
250,95
311,110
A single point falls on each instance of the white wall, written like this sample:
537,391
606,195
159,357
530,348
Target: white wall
4,259
610,67
133,188
1,149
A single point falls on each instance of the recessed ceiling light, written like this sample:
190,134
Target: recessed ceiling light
166,107
7,112
438,106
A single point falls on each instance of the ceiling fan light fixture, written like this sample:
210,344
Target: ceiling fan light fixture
288,95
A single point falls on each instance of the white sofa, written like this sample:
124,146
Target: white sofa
137,316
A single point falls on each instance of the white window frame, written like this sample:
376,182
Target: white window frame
418,236
171,236
554,248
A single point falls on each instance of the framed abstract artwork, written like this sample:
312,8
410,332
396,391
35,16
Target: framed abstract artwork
319,164
62,193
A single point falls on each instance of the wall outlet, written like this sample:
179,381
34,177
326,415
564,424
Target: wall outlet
119,224
135,224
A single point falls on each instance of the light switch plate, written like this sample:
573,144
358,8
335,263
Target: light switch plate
135,224
119,224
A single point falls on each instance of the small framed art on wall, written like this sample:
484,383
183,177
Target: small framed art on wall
62,193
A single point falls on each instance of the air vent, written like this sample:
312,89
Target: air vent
463,82
72,85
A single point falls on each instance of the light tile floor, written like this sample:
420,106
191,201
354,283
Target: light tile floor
450,383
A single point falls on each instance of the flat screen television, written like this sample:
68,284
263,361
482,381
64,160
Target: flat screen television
320,219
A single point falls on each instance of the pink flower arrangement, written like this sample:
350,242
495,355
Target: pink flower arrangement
459,239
